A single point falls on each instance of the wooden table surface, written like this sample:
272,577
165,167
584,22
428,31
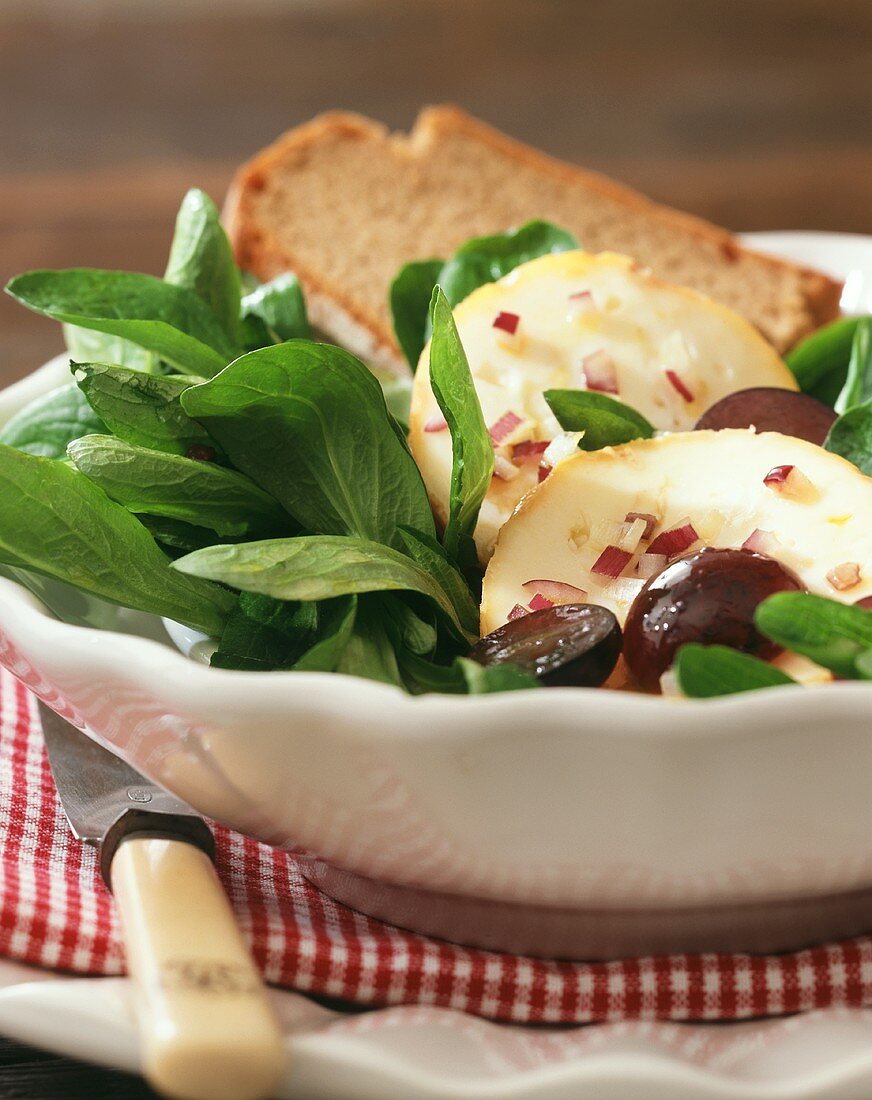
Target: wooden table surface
754,113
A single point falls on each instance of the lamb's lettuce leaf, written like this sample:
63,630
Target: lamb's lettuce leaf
199,493
472,451
308,423
274,312
55,521
48,424
707,671
479,261
170,321
144,409
201,260
832,634
319,567
605,421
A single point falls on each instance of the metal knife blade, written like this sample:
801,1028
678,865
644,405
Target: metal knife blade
95,787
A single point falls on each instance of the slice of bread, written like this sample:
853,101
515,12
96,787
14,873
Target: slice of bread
344,204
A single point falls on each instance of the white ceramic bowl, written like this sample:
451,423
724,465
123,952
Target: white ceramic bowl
569,822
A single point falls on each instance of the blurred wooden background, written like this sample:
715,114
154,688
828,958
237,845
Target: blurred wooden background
754,113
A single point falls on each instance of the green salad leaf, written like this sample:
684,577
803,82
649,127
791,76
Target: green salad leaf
863,665
397,392
472,452
411,630
851,437
201,260
65,602
45,426
336,621
158,484
706,671
820,362
368,652
178,537
426,552
274,312
833,635
486,259
266,634
144,409
169,320
479,261
410,296
309,424
462,676
58,523
319,567
858,384
604,421
89,346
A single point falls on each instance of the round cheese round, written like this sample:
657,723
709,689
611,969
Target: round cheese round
575,320
603,521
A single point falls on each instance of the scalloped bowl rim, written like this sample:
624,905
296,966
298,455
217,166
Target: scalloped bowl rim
154,662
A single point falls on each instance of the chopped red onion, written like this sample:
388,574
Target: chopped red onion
678,385
763,542
540,603
625,589
649,565
504,427
674,541
650,522
556,592
581,302
788,480
529,449
600,373
611,562
518,612
844,576
436,423
507,322
778,475
631,535
503,469
543,472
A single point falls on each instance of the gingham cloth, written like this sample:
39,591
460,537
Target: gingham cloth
55,912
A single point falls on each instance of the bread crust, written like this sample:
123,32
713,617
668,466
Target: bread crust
338,314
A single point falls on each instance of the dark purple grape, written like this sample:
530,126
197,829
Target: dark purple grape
571,645
707,597
769,409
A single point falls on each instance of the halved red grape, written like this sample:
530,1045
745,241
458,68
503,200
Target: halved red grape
571,645
769,409
707,597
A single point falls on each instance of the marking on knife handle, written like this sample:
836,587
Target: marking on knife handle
208,976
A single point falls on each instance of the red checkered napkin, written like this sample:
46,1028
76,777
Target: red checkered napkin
55,912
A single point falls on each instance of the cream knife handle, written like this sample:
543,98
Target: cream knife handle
207,1029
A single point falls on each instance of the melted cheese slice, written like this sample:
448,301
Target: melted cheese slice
644,326
714,479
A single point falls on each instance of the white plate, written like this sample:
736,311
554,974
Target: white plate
372,766
439,1054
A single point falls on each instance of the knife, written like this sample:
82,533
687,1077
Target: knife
207,1029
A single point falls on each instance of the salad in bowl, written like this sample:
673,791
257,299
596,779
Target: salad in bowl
594,479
